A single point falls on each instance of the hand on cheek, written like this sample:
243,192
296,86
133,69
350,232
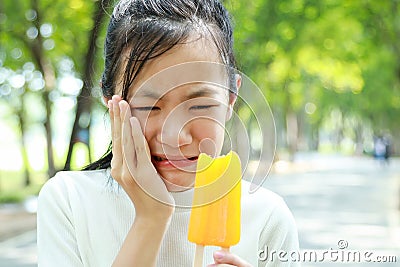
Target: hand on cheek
225,259
131,165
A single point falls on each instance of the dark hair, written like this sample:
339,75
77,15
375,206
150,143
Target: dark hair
147,29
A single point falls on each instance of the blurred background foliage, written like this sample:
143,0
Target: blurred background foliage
330,70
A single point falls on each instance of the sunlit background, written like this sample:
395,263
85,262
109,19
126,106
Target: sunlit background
330,70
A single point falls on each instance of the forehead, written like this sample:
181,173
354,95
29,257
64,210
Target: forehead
195,62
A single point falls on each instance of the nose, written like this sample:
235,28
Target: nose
174,132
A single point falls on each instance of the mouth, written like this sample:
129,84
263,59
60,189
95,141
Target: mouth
171,162
172,159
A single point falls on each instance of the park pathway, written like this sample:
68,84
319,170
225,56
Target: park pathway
344,204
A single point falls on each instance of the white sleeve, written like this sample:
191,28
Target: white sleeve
279,239
56,238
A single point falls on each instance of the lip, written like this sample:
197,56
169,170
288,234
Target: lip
173,162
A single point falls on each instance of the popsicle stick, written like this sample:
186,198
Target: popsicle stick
226,249
198,256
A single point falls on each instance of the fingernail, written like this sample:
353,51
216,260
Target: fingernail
121,104
218,255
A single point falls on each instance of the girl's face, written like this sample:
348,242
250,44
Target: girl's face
182,103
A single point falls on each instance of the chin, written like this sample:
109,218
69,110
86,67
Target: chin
178,182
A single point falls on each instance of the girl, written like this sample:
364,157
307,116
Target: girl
167,63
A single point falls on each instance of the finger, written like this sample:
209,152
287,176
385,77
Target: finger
220,265
141,146
111,111
147,179
111,114
128,147
116,149
228,259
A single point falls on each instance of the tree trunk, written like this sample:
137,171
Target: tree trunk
84,102
339,131
46,69
315,136
358,129
24,154
51,171
292,132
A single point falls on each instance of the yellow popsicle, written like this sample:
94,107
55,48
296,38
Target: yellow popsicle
215,215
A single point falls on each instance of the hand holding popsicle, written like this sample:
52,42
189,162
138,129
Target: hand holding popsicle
215,216
224,259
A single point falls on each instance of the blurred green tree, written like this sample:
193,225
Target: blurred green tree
81,127
60,39
312,58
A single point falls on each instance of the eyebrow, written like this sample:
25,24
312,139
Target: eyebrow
202,92
148,94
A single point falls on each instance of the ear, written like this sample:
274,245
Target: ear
238,78
232,100
233,97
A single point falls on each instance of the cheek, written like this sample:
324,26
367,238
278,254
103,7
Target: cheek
148,126
208,136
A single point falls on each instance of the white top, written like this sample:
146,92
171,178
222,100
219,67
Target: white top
83,218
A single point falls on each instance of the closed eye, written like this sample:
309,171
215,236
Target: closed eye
199,107
150,108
